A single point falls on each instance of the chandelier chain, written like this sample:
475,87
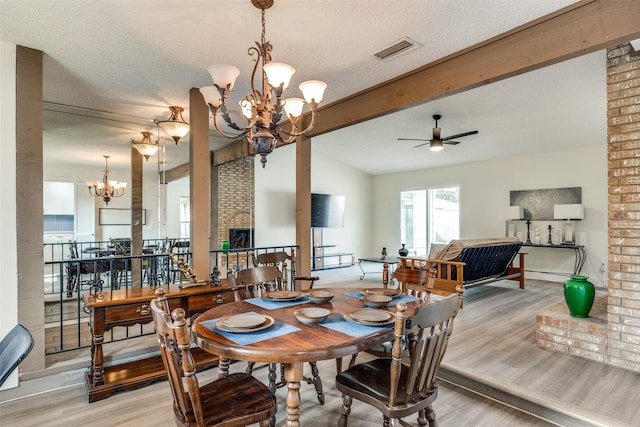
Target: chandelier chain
263,35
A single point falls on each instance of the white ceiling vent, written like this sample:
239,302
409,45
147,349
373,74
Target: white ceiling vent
397,48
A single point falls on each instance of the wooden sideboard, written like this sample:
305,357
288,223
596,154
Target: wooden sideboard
129,307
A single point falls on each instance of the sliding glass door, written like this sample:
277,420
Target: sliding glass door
429,216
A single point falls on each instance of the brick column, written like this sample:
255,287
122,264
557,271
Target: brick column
623,308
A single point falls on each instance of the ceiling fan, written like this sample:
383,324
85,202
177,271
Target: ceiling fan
436,143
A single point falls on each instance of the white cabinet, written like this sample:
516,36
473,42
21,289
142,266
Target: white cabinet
58,198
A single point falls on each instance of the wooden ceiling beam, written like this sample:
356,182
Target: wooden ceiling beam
576,30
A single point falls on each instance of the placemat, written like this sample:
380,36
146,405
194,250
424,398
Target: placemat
278,329
272,305
337,323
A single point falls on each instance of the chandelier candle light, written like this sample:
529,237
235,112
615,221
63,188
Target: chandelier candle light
263,109
107,188
145,147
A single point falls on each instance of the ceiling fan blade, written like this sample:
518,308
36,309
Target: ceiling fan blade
451,142
420,145
460,135
413,139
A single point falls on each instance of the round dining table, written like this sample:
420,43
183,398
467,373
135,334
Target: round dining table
298,343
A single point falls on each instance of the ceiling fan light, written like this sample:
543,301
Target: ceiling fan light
436,146
278,73
211,96
293,107
313,90
223,75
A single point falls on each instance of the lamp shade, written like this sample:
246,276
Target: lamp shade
313,90
223,75
278,73
293,106
211,96
572,211
511,212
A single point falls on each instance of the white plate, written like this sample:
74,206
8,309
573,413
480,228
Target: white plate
347,317
243,321
269,321
283,295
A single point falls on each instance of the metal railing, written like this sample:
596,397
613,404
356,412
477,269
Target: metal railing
66,280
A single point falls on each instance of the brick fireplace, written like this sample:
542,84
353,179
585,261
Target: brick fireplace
612,332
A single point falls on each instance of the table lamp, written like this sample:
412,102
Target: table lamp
511,214
569,213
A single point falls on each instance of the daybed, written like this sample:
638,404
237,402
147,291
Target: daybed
472,262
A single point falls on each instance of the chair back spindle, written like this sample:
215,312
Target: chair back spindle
418,283
255,282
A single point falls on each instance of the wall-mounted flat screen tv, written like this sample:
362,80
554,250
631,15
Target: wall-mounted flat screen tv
327,210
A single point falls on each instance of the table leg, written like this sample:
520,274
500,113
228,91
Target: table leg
223,367
363,273
293,375
97,338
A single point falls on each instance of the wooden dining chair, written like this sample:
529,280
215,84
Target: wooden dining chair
287,265
404,384
235,400
415,282
253,283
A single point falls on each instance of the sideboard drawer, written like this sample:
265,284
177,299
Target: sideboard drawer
133,313
201,303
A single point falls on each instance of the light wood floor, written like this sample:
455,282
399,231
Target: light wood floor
493,345
152,406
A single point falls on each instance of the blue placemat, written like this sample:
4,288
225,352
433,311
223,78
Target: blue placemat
278,329
356,294
337,323
393,302
402,298
272,305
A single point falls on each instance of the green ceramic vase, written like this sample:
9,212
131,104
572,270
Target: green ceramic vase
579,294
225,246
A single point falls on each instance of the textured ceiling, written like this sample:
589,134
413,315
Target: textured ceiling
133,59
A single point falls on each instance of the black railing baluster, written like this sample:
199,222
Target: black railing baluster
82,271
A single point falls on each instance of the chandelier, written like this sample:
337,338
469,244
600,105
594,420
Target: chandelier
145,146
263,106
107,188
174,126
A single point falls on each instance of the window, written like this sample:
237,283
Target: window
185,217
429,216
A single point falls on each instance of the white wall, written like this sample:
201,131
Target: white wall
8,221
485,187
275,188
175,190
